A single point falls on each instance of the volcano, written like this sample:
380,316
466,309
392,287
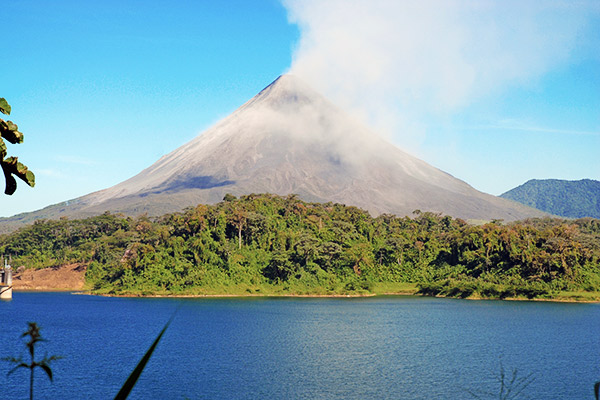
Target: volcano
289,139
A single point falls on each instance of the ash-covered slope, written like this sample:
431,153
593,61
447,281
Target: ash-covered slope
290,139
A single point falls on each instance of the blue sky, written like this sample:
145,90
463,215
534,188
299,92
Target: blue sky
101,90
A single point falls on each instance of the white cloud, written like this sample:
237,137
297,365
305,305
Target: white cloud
52,173
511,125
396,63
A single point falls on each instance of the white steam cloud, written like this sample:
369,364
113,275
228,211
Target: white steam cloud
396,63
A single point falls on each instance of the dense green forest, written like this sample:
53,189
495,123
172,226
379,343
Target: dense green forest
266,244
571,199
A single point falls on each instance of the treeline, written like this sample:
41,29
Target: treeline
271,244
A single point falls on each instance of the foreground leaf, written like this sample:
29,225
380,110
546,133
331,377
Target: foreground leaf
11,183
4,106
10,131
131,381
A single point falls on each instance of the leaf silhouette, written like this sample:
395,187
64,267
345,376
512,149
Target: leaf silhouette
133,377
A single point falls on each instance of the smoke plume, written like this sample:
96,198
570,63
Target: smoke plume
399,64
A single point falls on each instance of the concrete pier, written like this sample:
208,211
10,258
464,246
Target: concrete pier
6,283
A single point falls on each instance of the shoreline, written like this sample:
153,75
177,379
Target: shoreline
246,295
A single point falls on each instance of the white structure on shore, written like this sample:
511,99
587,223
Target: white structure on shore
6,282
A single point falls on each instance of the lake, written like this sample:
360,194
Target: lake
395,347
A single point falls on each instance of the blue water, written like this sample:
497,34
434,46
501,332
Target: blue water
297,348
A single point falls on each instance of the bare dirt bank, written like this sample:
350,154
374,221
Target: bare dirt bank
65,277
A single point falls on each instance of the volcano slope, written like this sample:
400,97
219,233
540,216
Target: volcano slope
289,139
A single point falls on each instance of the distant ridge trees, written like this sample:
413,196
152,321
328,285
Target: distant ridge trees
571,199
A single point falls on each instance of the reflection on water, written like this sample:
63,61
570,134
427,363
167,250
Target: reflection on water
286,348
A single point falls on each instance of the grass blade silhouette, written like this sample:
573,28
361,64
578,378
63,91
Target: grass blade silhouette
133,377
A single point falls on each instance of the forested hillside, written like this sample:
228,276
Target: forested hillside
280,245
571,199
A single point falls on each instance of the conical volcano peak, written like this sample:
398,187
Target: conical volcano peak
291,139
288,83
288,89
290,108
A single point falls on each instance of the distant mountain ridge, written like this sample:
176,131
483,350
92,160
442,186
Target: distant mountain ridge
571,199
289,139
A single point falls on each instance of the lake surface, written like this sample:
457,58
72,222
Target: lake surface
303,348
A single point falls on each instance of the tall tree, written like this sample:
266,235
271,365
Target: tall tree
238,218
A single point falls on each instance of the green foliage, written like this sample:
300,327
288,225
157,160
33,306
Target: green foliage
478,288
275,245
4,106
11,165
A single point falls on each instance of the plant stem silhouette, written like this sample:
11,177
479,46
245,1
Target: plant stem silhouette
511,386
33,331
